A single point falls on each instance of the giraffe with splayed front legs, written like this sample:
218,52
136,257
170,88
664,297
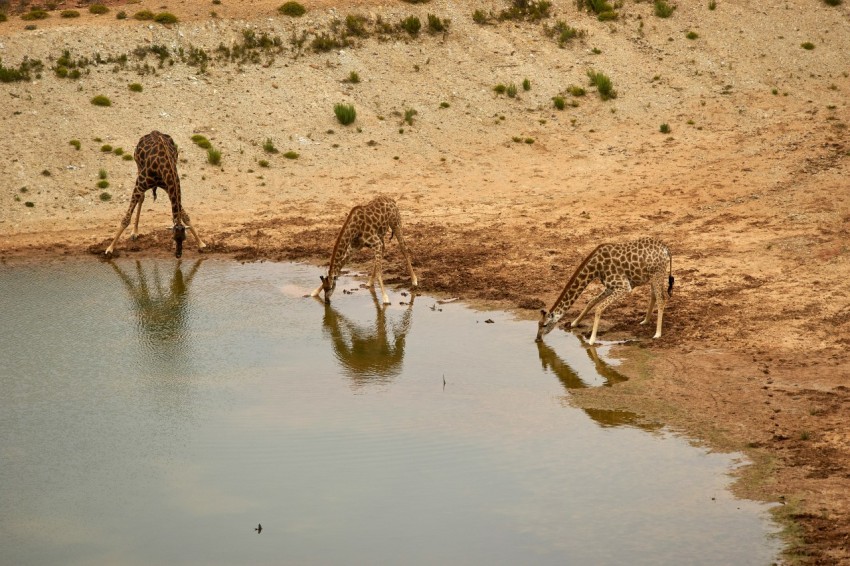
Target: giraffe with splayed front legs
156,158
621,268
366,226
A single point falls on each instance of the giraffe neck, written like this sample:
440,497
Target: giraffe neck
342,247
575,286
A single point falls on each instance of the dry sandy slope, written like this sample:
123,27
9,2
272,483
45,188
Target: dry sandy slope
749,189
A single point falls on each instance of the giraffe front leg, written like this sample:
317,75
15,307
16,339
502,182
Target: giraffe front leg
379,257
124,222
188,223
135,233
615,295
589,306
414,282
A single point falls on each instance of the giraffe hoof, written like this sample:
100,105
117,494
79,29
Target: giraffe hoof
134,237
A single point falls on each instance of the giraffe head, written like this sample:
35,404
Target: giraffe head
548,321
179,236
328,285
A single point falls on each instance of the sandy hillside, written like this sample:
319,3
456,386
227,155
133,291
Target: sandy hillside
501,196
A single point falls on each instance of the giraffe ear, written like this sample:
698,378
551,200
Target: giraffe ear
322,277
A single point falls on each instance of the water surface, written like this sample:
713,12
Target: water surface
155,412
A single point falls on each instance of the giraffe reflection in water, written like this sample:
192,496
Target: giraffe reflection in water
368,354
161,311
552,362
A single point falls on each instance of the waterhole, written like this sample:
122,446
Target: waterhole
157,411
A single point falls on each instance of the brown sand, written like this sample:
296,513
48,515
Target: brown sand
749,189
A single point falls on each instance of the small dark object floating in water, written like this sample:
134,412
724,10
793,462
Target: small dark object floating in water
489,321
259,528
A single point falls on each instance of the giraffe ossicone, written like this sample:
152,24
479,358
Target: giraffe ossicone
156,159
621,268
366,226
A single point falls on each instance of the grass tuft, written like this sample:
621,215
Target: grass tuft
76,144
292,9
101,100
213,156
291,155
345,113
663,9
603,84
165,18
98,9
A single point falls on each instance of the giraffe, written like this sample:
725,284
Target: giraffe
621,268
366,225
156,158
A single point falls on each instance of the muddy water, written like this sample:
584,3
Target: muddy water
156,412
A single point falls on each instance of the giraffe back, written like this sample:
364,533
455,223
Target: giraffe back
156,158
637,261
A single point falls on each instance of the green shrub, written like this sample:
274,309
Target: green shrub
576,90
808,45
101,174
292,9
135,87
104,196
325,42
479,17
34,14
408,116
101,100
603,84
692,35
69,14
713,4
3,17
663,9
106,148
665,128
511,90
102,184
76,144
213,156
29,204
122,15
22,73
558,101
46,172
98,9
500,88
411,25
201,141
165,18
529,141
268,146
833,2
291,155
127,157
437,25
263,163
345,113
143,15
444,105
353,77
119,151
526,85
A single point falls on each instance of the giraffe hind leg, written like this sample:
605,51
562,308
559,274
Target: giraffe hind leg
661,299
652,295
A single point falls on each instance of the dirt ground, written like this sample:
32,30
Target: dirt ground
502,197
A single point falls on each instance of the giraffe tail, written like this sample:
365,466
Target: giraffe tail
670,278
154,193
